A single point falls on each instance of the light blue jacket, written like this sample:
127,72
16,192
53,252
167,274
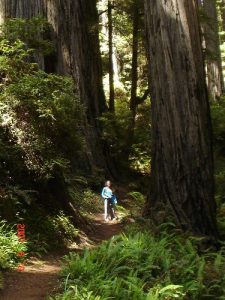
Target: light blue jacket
106,193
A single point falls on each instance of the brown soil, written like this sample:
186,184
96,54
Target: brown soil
40,277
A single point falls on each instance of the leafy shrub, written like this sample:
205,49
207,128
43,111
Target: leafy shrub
49,232
34,32
64,228
87,201
38,111
10,246
137,196
142,266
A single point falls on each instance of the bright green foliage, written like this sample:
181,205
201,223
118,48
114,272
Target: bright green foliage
35,32
86,200
144,266
9,246
122,15
40,123
63,226
38,109
13,61
91,202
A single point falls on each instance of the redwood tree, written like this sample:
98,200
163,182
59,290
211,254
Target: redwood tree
76,38
111,70
182,159
212,49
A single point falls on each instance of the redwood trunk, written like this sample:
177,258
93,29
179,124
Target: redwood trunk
134,82
213,55
134,70
111,70
182,159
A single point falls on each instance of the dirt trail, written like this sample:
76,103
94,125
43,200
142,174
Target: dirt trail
41,277
103,230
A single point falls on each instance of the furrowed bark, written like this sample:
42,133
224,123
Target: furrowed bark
182,158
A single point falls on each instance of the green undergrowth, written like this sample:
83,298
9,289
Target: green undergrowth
49,232
141,264
10,247
86,200
130,206
56,230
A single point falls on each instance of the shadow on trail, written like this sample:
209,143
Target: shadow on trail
35,282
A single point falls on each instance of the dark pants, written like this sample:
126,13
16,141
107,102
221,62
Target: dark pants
111,207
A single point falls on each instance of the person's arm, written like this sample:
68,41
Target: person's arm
103,193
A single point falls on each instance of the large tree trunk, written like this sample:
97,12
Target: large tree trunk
182,159
213,54
85,53
111,69
134,70
75,33
134,82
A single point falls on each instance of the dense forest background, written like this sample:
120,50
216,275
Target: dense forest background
131,91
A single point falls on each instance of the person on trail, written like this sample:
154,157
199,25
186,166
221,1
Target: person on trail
109,198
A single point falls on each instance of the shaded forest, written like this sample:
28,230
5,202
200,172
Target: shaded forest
127,91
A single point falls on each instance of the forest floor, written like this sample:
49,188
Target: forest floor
41,277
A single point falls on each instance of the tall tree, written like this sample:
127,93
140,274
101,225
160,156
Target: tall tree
76,37
111,69
136,8
212,47
134,70
86,57
182,159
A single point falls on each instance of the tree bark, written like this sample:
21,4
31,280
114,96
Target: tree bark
213,55
134,70
134,81
182,158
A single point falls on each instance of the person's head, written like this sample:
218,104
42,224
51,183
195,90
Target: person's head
108,183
